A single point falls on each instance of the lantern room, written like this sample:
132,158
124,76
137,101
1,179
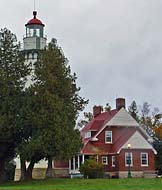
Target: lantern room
34,38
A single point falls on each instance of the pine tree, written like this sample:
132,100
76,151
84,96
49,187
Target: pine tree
133,110
54,109
13,73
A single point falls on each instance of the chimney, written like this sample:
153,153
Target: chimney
120,103
97,110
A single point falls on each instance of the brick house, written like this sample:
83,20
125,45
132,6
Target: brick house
107,137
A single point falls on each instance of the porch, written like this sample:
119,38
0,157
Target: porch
74,165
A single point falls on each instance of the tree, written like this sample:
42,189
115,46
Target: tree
54,105
149,119
133,110
88,116
13,76
158,146
158,157
158,131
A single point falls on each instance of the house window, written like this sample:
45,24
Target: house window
88,134
144,159
113,161
108,136
104,160
128,159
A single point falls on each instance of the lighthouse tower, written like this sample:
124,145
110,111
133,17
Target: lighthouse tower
34,39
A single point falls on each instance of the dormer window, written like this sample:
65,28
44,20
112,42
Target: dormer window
88,134
108,137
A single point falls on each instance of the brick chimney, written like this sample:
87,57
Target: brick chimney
97,110
120,103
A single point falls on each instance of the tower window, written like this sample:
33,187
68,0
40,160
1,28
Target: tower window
35,55
27,56
30,56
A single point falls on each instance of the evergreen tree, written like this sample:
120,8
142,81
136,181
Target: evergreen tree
13,73
88,116
54,107
133,110
158,157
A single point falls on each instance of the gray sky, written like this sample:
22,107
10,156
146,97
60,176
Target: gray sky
114,46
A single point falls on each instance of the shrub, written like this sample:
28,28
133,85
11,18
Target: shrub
91,169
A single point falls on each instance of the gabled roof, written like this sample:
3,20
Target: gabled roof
113,118
123,118
137,141
97,122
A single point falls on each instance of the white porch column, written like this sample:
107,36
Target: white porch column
82,158
78,162
73,163
97,158
69,166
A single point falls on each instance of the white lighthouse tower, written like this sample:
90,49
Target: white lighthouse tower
34,39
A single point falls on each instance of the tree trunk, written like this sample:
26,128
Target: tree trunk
28,175
23,170
2,171
49,171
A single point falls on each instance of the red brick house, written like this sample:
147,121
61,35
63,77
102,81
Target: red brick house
107,137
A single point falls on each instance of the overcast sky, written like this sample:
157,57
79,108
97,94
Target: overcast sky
114,46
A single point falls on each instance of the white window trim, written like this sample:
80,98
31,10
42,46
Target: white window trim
106,158
131,159
146,159
87,134
111,137
112,161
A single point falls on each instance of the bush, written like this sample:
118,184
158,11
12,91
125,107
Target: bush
159,169
91,169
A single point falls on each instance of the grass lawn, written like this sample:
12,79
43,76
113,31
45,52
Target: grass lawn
86,184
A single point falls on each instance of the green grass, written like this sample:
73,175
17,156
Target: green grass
86,184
